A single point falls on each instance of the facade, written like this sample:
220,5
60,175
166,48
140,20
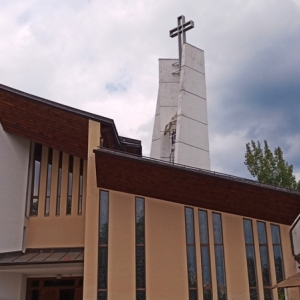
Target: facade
84,215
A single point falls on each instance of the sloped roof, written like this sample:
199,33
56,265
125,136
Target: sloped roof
42,256
196,187
56,125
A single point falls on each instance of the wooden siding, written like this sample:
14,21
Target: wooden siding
148,178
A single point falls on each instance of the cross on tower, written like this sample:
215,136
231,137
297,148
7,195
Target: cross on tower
181,28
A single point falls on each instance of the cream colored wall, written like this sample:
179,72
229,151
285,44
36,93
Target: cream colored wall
121,258
235,257
166,265
90,272
46,231
166,262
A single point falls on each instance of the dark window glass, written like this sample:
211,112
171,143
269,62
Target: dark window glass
35,283
205,255
254,294
278,258
193,295
59,185
191,252
140,295
222,294
189,219
203,227
268,294
219,256
217,225
192,272
102,268
205,258
48,187
103,224
207,295
251,262
80,187
140,227
66,294
140,267
140,247
102,295
261,229
35,294
103,244
264,258
37,156
70,186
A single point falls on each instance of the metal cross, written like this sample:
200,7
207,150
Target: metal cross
181,28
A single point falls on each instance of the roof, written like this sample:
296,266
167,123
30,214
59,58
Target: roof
195,187
293,281
56,125
42,256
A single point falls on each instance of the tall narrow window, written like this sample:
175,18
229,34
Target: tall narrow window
70,185
59,184
276,241
103,245
191,253
48,188
80,192
251,262
264,258
219,256
140,248
205,256
36,179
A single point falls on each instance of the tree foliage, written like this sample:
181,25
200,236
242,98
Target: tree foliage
269,167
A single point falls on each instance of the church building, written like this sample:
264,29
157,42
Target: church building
84,215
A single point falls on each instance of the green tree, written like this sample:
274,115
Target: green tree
269,167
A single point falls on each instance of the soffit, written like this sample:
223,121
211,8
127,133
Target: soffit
44,123
42,256
55,125
148,178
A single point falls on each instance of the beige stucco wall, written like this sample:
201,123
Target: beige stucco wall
166,264
121,258
90,272
235,257
46,231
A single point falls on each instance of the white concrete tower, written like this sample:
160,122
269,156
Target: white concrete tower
180,132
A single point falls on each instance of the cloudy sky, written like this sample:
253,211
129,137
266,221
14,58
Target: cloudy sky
102,56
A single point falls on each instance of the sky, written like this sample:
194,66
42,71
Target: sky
102,57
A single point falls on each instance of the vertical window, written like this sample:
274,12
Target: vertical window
276,241
219,256
140,248
59,184
251,262
70,185
80,186
48,187
191,253
103,245
264,258
36,179
205,256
